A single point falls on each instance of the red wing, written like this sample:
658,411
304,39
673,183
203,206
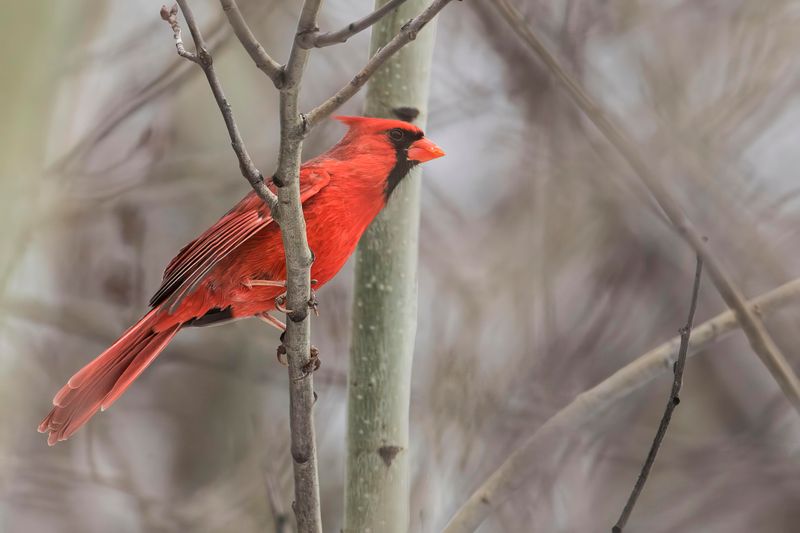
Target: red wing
247,218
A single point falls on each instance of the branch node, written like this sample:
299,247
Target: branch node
300,459
263,61
298,315
205,60
406,113
306,39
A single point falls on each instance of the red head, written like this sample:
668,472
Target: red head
402,142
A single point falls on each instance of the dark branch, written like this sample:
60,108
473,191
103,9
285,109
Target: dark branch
263,61
407,34
203,58
320,40
674,400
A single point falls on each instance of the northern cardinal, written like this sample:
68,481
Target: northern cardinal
237,267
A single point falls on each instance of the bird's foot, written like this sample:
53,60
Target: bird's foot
313,303
250,283
312,365
272,321
280,306
281,355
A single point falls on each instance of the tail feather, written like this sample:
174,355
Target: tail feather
100,383
154,346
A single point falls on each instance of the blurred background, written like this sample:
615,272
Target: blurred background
543,268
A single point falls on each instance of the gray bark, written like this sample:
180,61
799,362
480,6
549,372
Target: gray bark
385,306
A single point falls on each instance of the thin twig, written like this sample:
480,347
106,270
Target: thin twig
759,338
407,34
672,403
280,517
203,58
320,40
171,76
262,59
592,403
171,16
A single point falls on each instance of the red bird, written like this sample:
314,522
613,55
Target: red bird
237,267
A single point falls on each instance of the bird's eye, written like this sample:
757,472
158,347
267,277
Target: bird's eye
396,134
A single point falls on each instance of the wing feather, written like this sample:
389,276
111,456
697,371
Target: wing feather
195,260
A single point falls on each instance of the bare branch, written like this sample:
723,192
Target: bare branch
263,61
203,58
298,292
171,17
758,336
171,76
320,40
672,403
407,34
590,404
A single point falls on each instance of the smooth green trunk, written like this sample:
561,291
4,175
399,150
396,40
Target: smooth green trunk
385,306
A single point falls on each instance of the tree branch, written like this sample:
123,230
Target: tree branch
171,76
407,34
298,291
592,403
263,61
203,58
672,403
757,335
320,40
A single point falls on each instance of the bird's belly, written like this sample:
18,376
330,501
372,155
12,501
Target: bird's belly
332,237
331,249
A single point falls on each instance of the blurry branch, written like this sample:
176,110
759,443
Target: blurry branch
672,403
280,517
172,75
760,340
203,58
592,403
318,40
263,61
407,34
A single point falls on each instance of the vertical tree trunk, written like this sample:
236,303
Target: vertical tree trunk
385,305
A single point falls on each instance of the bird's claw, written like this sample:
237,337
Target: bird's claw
279,304
312,365
313,303
281,355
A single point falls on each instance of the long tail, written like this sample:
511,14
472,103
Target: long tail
101,382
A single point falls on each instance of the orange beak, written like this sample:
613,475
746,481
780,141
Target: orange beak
424,150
